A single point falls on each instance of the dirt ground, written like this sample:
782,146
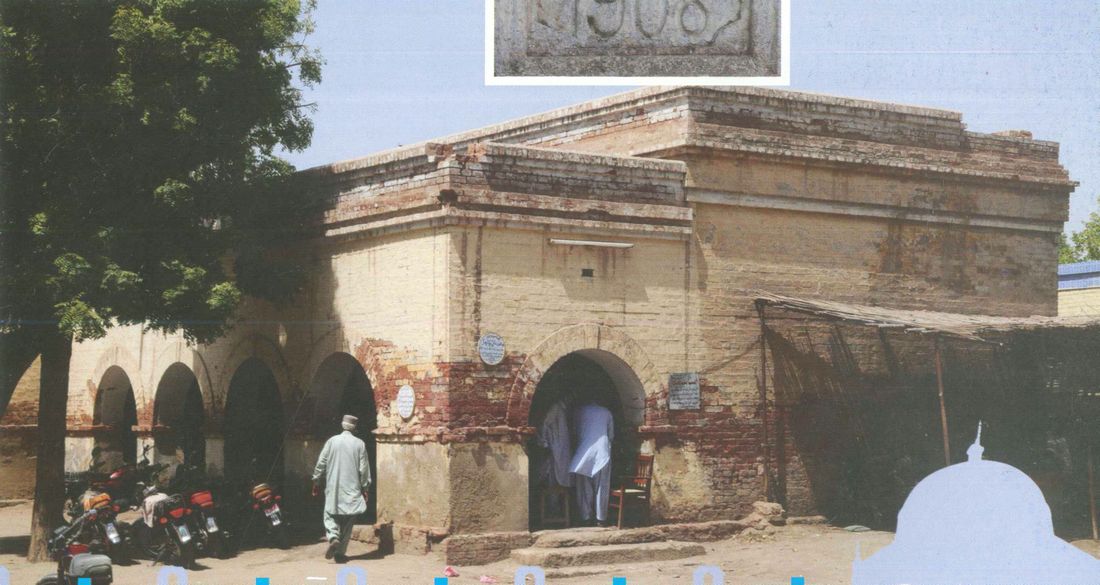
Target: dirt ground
822,554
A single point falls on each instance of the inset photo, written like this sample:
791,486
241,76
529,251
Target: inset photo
637,42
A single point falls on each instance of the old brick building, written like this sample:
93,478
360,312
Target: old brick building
611,244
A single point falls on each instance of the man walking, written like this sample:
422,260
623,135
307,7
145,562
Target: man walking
345,470
592,461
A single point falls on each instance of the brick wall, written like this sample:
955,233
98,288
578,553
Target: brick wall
18,446
1083,301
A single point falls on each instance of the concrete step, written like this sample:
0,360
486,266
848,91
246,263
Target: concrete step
661,571
694,532
617,554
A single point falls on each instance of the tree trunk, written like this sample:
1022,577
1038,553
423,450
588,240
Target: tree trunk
49,488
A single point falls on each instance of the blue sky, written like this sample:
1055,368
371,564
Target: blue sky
402,71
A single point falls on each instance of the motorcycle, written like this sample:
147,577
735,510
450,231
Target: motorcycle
128,481
164,532
210,536
264,497
124,483
103,532
74,561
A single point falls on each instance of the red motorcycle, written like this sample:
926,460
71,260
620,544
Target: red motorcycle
209,534
164,532
102,531
264,497
75,563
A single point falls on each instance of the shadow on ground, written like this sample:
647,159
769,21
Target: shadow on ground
14,545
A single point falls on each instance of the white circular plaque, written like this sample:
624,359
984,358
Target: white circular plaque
406,400
491,348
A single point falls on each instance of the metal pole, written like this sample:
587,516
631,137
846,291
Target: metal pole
943,407
1092,499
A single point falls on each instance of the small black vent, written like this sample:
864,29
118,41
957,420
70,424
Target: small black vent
587,273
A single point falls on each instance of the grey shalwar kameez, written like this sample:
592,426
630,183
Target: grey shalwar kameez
346,471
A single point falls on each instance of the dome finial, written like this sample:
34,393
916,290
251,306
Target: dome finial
974,453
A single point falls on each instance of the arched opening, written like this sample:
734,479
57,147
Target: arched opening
253,426
116,414
577,378
178,418
341,387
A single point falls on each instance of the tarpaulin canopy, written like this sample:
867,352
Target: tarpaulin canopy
960,325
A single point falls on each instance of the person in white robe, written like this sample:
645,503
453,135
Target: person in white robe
554,434
591,463
344,470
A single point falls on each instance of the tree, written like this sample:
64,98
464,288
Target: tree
1066,253
1086,243
1083,245
141,179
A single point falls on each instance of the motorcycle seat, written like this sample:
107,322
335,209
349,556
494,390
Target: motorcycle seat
95,567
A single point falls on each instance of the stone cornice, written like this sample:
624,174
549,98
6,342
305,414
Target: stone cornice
858,209
711,140
524,187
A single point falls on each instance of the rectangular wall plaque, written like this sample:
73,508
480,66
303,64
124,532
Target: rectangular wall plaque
683,391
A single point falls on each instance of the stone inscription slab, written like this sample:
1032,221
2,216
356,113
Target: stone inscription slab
636,38
638,27
490,347
683,391
406,401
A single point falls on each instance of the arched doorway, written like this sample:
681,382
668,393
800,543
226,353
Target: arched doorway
341,387
178,418
588,375
254,426
115,414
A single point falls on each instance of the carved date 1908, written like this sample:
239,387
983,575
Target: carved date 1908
639,26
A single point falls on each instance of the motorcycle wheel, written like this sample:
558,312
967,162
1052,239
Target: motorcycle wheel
182,554
216,546
143,542
51,579
282,539
118,553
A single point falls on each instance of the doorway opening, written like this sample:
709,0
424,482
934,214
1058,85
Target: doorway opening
341,387
178,415
578,378
254,426
115,414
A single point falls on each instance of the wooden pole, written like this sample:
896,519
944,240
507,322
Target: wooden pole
1092,499
764,399
943,406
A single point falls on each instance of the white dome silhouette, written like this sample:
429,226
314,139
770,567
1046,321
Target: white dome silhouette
977,522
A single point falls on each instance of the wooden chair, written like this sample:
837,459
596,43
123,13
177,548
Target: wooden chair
634,488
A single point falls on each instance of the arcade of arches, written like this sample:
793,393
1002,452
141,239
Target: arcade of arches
253,427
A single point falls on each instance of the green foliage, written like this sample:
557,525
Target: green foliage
1083,245
1066,253
141,182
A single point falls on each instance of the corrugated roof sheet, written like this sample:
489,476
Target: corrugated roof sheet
963,326
1079,275
1089,267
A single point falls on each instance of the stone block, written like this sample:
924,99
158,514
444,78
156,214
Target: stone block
668,38
481,549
